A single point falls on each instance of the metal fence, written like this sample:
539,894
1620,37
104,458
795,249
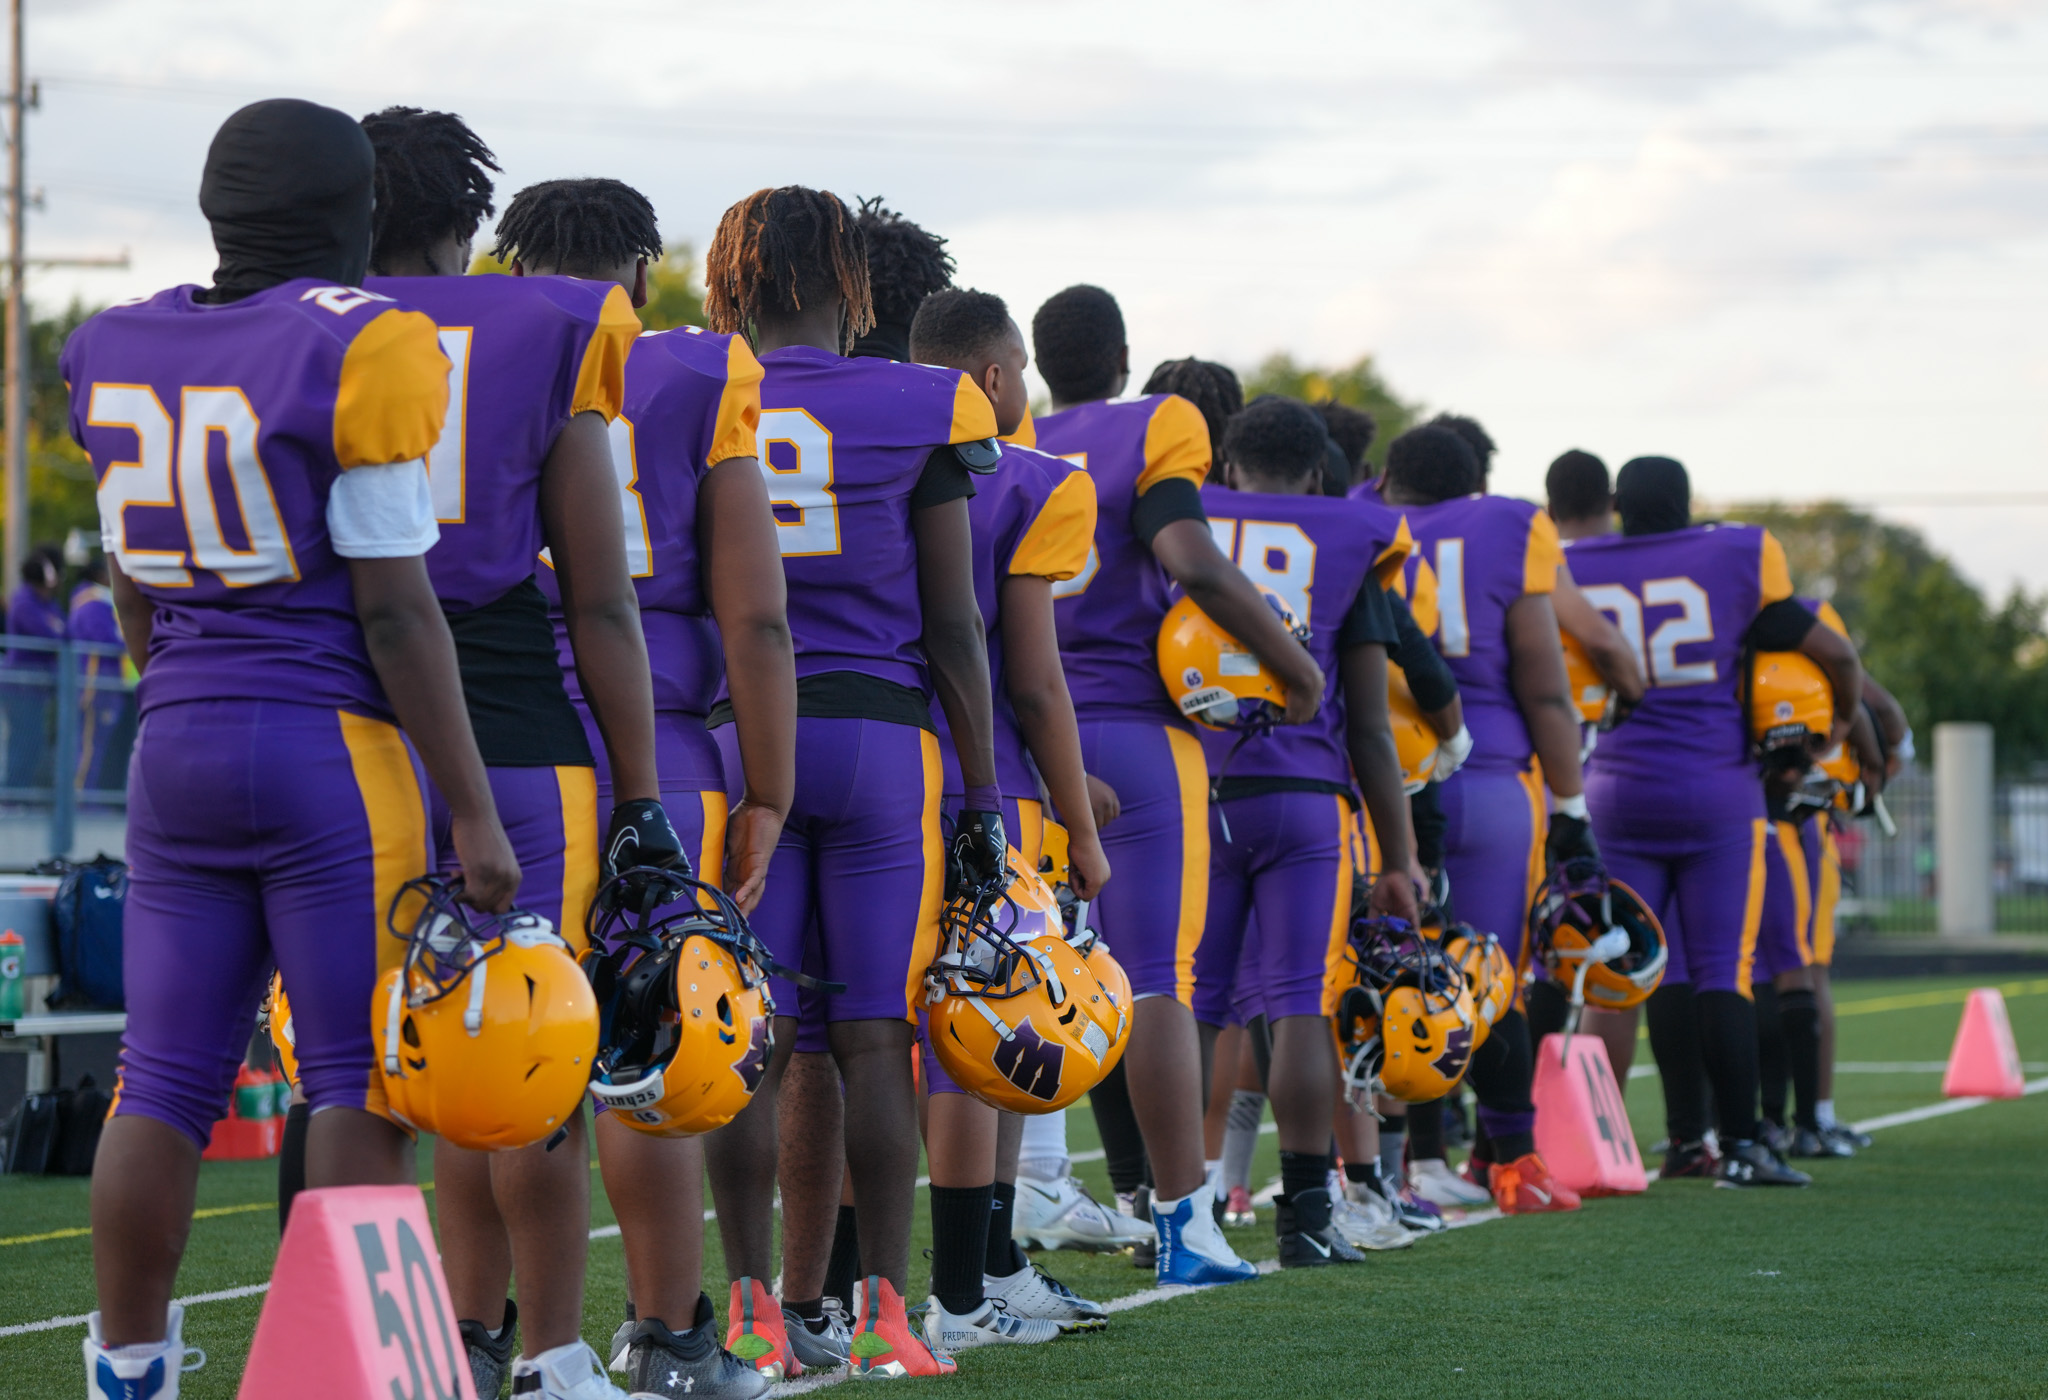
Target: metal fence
68,712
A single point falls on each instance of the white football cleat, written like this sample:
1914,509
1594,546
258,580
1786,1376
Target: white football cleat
987,1326
1368,1225
1062,1215
144,1371
1033,1293
571,1371
1443,1188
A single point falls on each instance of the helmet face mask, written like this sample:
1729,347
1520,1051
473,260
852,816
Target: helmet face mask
1597,937
1408,1005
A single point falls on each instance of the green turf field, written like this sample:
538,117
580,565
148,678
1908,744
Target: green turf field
1911,1271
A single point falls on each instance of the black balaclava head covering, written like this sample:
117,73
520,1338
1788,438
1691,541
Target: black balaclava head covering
889,340
288,191
1653,496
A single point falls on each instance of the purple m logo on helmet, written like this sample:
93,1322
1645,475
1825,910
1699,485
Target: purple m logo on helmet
1457,1050
752,1065
1028,1061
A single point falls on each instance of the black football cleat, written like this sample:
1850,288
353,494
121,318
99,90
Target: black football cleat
672,1364
1809,1142
1753,1164
490,1358
1688,1159
1307,1239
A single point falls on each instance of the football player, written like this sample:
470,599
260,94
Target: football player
1695,596
1149,458
1282,814
539,373
700,540
1034,521
870,465
274,804
1492,564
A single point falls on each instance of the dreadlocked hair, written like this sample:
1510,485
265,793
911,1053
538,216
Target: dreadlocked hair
585,225
777,249
431,180
1211,387
906,263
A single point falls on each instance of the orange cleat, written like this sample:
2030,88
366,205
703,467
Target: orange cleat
756,1336
1524,1187
885,1345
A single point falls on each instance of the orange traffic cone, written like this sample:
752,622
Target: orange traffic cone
358,1304
1984,1062
1582,1128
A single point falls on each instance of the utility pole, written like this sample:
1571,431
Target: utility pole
17,305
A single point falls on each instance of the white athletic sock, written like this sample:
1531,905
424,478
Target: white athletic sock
1824,1112
1042,1155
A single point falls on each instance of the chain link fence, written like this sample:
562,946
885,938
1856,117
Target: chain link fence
68,713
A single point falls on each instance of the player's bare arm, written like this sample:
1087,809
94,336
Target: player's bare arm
1610,652
135,612
1037,687
1188,551
743,574
579,505
1377,765
1836,655
1536,670
954,643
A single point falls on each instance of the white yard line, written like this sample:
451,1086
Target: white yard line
1142,1298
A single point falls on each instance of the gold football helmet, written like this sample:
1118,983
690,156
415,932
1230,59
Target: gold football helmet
1590,692
1488,973
1210,675
1414,739
1405,1005
1597,938
1791,704
488,1027
278,1017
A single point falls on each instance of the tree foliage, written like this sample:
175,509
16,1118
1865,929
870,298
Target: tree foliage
1925,631
1358,384
675,287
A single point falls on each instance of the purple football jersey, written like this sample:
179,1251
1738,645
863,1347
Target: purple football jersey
217,433
525,354
1684,600
1368,491
693,399
1109,613
1475,557
1316,553
1035,515
843,444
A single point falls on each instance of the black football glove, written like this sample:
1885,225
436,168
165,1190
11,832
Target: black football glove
1571,838
640,836
979,853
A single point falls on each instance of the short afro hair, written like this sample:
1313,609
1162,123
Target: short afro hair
1475,438
957,326
1277,437
1577,487
1352,429
1433,462
1653,495
1078,337
906,263
432,180
1211,387
581,226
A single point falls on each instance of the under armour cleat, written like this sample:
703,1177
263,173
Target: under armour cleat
664,1364
1192,1250
885,1344
755,1333
1525,1187
1033,1293
1062,1215
1753,1164
490,1354
1689,1159
1433,1180
1308,1240
987,1326
571,1371
1806,1142
141,1371
1238,1210
1842,1132
822,1345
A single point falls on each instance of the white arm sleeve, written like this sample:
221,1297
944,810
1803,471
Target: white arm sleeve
382,512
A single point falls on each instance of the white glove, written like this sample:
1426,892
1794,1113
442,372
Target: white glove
1452,753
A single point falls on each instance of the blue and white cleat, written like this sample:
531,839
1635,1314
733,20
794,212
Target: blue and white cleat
142,1372
1192,1250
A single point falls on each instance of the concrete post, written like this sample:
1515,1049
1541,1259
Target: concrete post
1964,833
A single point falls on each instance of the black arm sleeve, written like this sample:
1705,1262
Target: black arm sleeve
1782,626
1426,814
1173,499
1429,679
1371,619
945,478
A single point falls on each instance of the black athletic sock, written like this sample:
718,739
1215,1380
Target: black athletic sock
1728,1045
1426,1130
1770,1053
1549,1006
1262,1049
843,1269
1500,1077
959,1245
1358,1171
810,1309
1799,1013
1673,1016
291,1161
1303,1171
1003,1257
1123,1146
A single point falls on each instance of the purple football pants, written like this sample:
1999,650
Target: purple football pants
1494,824
260,832
1288,858
1153,911
1784,937
1697,863
854,889
1024,825
550,817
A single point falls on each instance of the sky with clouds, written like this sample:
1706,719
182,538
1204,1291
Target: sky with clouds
1800,244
